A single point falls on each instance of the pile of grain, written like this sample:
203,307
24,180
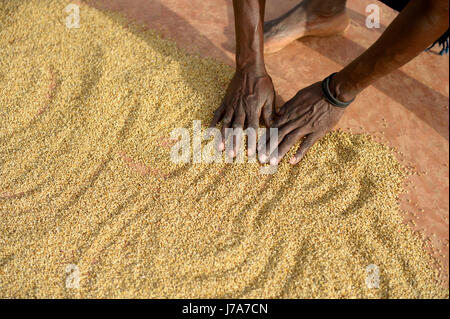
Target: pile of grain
86,179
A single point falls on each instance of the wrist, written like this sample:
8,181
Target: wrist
343,89
253,65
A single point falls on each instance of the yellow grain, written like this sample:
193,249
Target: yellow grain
86,179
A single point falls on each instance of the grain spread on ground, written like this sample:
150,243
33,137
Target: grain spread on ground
87,186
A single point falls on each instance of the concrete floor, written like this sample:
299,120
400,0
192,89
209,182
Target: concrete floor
407,110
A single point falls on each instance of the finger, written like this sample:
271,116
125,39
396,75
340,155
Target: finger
218,115
281,118
291,126
263,149
286,129
287,143
252,120
304,147
263,142
238,124
282,111
268,111
268,144
251,133
226,122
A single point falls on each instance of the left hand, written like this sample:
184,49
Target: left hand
250,95
308,114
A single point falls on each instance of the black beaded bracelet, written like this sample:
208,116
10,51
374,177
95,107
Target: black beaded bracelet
329,96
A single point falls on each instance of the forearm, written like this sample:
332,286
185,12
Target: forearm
249,20
414,29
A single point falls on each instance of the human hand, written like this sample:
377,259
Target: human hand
308,114
250,94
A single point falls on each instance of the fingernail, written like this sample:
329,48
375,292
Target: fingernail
221,146
231,153
292,160
250,153
273,160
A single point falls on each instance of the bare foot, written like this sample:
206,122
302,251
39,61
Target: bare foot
302,21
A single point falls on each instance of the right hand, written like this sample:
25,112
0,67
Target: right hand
250,94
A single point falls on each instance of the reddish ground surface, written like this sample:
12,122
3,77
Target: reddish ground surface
408,109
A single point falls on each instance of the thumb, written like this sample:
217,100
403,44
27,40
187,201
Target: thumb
304,147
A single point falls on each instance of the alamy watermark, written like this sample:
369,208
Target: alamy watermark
73,19
373,19
372,276
73,277
261,142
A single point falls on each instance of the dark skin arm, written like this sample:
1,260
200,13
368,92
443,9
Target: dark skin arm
309,114
250,93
